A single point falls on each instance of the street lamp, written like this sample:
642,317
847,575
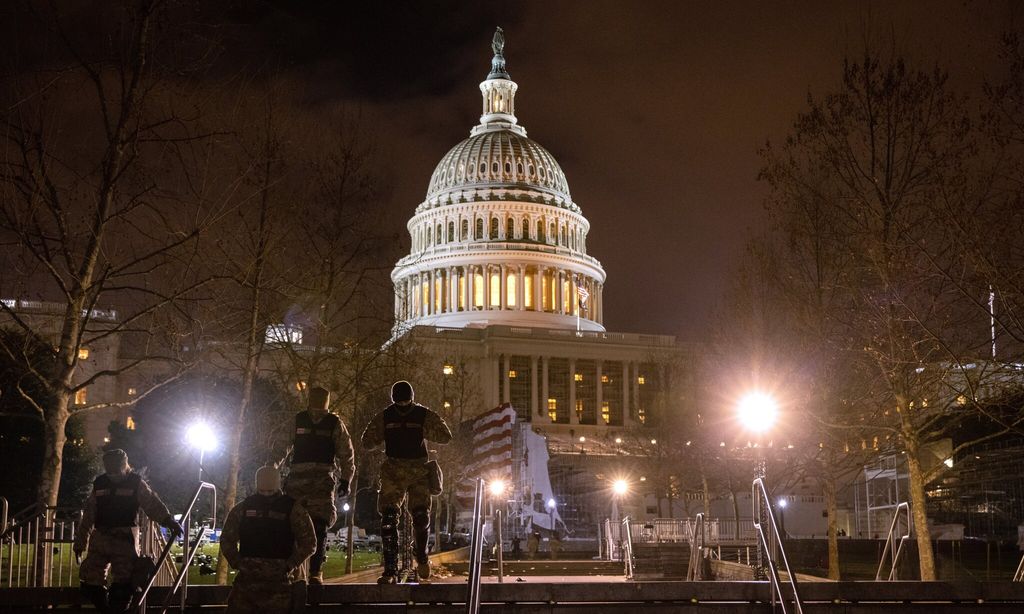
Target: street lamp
620,487
201,437
757,412
782,514
552,504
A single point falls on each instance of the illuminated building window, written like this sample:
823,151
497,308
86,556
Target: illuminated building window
579,407
553,409
606,412
83,353
81,396
512,373
462,293
961,400
283,333
496,288
448,370
604,379
640,380
447,405
130,424
641,415
300,385
528,292
132,391
510,289
578,377
478,290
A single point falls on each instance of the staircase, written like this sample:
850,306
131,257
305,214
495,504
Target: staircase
665,561
542,567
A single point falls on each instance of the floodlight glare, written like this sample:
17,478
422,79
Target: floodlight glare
497,487
551,504
758,411
346,507
783,503
201,437
620,487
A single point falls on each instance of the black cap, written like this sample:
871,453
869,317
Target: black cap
401,391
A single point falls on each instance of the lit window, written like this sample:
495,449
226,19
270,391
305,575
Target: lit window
578,377
579,407
130,424
106,440
604,379
132,392
282,333
447,405
640,380
553,409
961,400
81,396
512,373
606,412
641,415
448,370
83,353
300,385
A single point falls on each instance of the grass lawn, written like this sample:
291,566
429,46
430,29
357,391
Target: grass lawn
64,564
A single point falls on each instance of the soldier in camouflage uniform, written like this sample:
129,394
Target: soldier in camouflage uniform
266,538
322,463
109,532
404,428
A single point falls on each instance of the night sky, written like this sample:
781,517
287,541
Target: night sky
655,110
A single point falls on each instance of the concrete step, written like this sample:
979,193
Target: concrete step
544,568
606,598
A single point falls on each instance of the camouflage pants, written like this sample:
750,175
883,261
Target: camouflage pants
398,478
313,486
262,585
113,548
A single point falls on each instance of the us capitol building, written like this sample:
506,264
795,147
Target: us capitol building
499,285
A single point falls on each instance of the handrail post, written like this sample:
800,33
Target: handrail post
499,540
475,550
759,499
627,553
1018,576
891,549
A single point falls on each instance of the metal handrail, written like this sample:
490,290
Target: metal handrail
891,548
760,499
3,515
1018,576
476,550
187,554
627,553
696,548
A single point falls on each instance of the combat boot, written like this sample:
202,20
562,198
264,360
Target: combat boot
423,569
389,554
97,595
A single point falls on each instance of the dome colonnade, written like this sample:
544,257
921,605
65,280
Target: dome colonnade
498,238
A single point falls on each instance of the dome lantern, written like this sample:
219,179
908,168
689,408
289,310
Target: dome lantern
499,93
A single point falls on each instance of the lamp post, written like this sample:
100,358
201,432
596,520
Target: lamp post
620,487
551,505
757,413
782,515
497,488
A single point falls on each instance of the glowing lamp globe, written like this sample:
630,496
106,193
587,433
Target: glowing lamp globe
758,411
201,437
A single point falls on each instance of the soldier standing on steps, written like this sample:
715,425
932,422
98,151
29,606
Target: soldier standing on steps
266,538
322,463
404,427
110,532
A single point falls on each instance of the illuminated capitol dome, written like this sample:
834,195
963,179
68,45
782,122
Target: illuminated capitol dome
498,239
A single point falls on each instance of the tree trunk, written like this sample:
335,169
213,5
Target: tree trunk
49,482
919,511
231,489
706,491
735,512
831,508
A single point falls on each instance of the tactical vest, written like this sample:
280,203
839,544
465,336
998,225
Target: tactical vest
265,531
403,434
117,503
314,443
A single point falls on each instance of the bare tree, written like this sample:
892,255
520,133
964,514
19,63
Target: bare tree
102,202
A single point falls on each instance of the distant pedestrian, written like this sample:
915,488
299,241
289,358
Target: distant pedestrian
555,544
109,532
266,537
517,547
404,428
533,543
322,466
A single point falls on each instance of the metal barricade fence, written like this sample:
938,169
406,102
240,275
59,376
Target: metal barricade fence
36,548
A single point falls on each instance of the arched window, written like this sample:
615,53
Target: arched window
479,228
428,237
451,231
483,168
553,233
540,230
526,229
494,167
438,236
465,229
494,228
510,229
564,242
508,167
